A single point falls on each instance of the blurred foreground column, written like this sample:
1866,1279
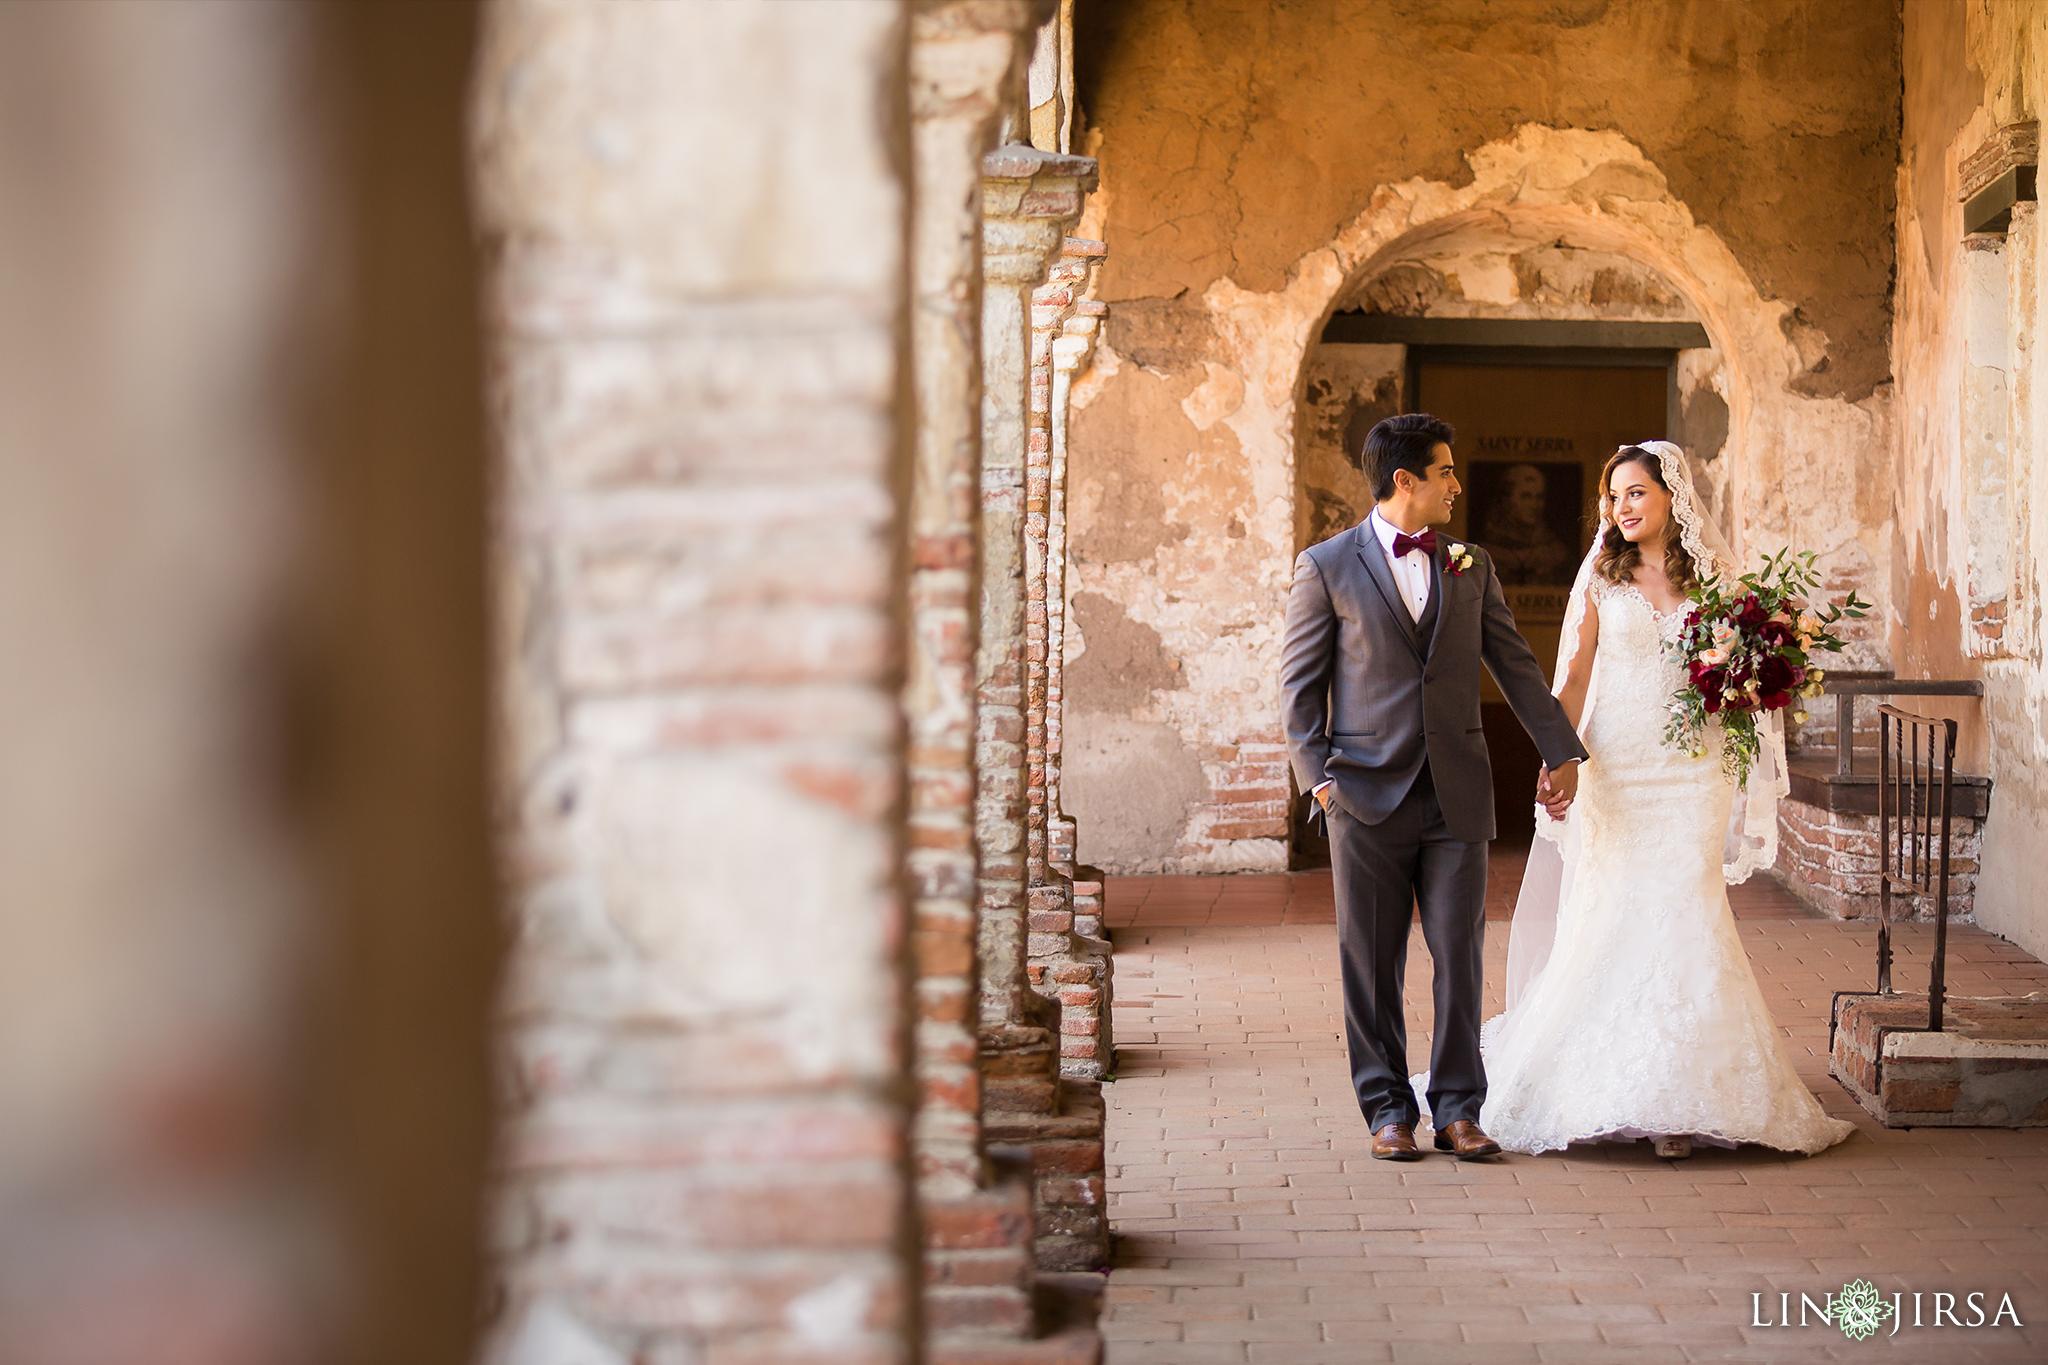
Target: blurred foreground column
245,909
699,214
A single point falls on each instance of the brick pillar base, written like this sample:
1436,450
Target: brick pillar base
1069,963
1057,1122
1987,1068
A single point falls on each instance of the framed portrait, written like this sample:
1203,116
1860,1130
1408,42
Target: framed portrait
1529,515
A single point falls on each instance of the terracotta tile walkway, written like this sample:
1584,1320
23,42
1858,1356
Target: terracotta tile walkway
1252,1226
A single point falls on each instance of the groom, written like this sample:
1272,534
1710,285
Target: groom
1387,625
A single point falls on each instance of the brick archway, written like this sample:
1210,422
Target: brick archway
1597,192
1235,414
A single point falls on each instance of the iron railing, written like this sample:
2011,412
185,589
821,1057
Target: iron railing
1912,861
1912,850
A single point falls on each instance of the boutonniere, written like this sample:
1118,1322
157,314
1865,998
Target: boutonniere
1458,560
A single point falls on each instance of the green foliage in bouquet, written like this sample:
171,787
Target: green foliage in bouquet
1746,647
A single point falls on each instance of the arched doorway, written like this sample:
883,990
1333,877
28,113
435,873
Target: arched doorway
1546,354
1193,486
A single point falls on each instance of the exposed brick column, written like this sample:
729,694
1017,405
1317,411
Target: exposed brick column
1063,326
704,424
1029,199
1052,304
1071,352
965,61
1067,959
982,1289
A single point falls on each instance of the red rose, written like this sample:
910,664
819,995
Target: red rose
1776,633
1750,613
1775,675
1711,684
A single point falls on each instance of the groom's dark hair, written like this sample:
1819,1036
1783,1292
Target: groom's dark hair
1402,442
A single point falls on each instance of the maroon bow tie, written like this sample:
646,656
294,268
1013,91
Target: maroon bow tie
1424,541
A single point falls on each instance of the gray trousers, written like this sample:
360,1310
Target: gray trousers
1384,874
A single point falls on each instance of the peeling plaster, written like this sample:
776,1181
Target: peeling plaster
1971,482
1794,468
1242,133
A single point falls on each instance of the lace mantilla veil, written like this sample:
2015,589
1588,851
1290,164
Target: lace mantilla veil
1554,855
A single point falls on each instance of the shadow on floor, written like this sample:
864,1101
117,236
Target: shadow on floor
1266,898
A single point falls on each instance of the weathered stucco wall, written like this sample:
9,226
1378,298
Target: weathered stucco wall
1347,387
1263,165
1966,563
1241,134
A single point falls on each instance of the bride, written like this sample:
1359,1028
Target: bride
1632,1009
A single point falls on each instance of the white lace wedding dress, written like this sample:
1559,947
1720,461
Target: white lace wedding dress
1646,1019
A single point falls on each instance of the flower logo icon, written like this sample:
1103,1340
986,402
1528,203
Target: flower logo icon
1858,1310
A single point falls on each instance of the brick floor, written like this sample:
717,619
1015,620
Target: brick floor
1252,1226
1304,898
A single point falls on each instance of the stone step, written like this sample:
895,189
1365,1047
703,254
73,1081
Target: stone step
1078,1346
987,1220
1065,1151
1065,1310
980,1254
1021,1094
1020,1067
960,1312
1079,1115
1987,1068
1008,1049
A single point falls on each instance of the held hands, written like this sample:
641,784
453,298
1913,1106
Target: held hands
1555,790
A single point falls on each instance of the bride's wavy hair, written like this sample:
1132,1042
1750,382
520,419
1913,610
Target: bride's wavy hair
1619,557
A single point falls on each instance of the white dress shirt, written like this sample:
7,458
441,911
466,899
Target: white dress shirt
1413,571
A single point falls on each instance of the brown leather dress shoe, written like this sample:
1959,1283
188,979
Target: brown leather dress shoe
1466,1139
1396,1142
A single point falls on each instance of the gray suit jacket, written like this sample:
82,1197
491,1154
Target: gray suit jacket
1367,693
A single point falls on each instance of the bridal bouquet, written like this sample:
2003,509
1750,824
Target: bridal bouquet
1745,647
